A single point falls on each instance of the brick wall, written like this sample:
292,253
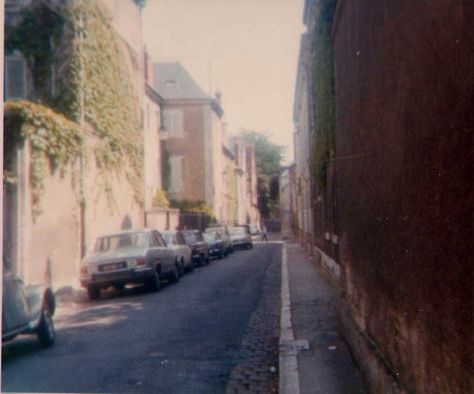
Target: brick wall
404,103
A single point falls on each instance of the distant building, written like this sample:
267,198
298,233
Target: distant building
287,207
152,114
246,178
302,118
193,129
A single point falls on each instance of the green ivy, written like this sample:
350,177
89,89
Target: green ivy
53,140
92,77
160,200
324,137
165,167
193,207
35,37
110,101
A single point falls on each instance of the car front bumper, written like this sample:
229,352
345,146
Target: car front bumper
105,279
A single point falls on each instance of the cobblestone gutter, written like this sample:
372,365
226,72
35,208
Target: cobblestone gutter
257,368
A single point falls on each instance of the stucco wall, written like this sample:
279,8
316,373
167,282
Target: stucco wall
50,245
192,147
152,150
404,94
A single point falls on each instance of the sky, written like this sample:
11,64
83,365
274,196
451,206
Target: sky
246,49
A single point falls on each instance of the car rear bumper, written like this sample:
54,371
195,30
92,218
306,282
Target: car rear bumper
216,251
134,275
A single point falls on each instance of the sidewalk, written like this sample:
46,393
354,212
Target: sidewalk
316,359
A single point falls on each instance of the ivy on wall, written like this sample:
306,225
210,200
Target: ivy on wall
324,137
186,206
92,81
165,168
160,200
53,140
99,71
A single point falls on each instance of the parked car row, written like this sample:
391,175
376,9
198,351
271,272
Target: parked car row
143,256
146,256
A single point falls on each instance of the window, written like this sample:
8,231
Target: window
176,182
173,122
15,77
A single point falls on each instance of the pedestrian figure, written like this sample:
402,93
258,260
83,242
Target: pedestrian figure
264,233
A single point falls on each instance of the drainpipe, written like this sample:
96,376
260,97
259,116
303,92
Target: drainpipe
141,93
82,197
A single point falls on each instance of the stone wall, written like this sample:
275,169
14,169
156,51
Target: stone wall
404,95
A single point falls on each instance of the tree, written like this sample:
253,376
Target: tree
268,156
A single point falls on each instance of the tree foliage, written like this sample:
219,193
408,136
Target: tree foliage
268,156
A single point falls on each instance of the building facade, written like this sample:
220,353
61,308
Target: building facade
194,138
62,194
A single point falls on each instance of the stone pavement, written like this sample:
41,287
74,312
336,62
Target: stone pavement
326,366
257,369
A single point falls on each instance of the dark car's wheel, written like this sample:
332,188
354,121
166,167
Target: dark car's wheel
174,276
191,266
45,332
153,283
182,267
93,292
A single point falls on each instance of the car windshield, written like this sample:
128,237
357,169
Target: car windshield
212,236
168,238
192,236
121,241
214,229
238,231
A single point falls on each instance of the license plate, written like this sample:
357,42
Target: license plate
112,267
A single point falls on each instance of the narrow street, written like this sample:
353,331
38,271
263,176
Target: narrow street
187,338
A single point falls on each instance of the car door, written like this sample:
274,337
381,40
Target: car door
184,250
15,308
166,255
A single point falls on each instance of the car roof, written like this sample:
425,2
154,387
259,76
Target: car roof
128,231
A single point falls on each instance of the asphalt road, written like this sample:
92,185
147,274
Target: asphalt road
184,339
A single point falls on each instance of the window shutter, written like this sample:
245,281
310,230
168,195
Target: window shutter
176,163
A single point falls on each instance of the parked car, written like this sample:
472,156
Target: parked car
224,232
130,256
27,309
199,247
216,244
254,229
175,241
241,237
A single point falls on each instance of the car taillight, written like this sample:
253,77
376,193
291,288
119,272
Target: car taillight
84,270
140,262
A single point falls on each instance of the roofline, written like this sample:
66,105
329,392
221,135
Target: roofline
183,101
306,11
217,108
153,94
227,152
